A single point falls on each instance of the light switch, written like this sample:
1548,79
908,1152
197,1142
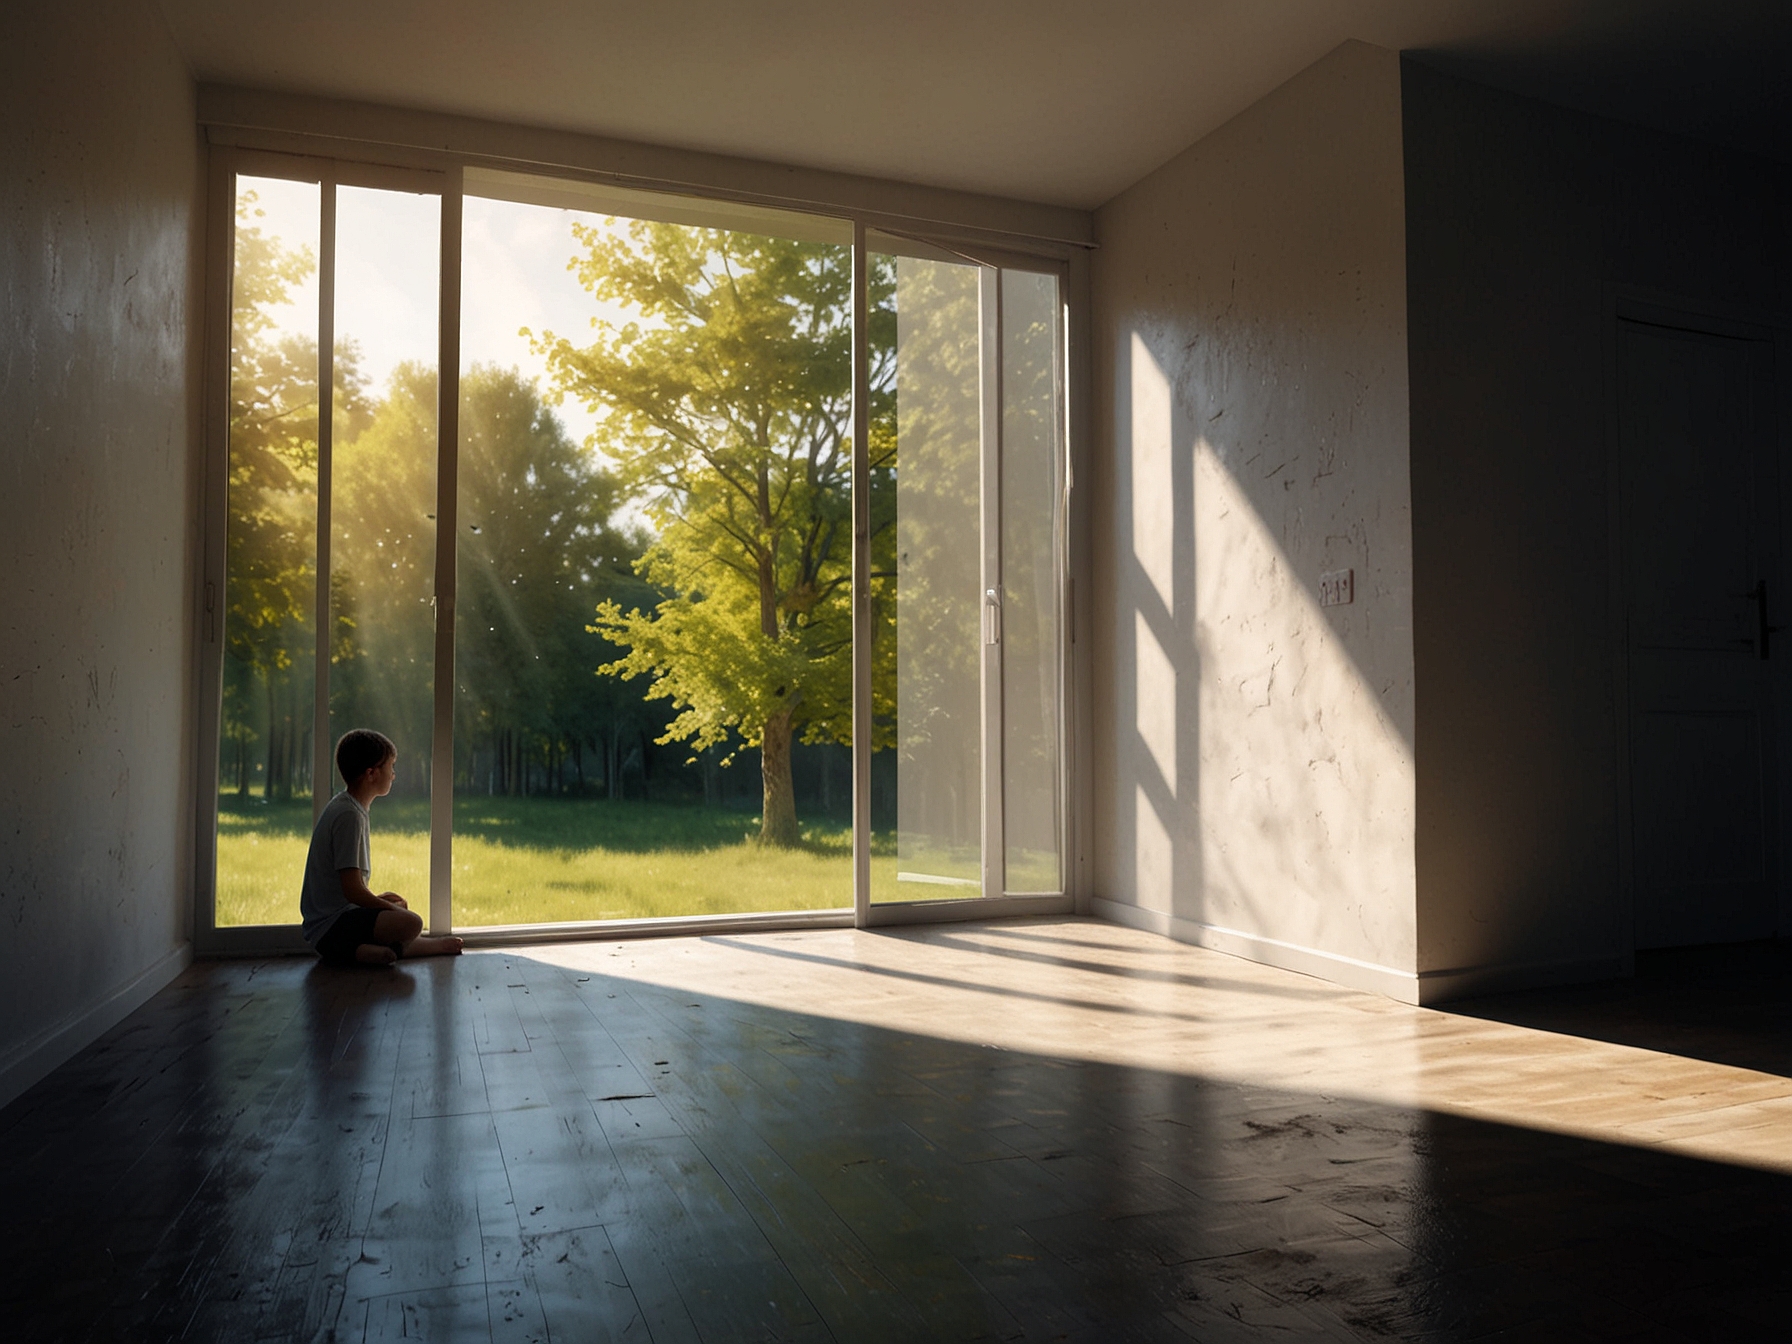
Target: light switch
1337,588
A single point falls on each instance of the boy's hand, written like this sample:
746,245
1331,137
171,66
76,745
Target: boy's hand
392,898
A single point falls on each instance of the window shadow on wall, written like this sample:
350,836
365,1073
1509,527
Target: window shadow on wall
1264,777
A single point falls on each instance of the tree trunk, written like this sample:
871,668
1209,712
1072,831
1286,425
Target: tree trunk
267,785
777,825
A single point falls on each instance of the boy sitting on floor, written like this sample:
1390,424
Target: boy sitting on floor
344,920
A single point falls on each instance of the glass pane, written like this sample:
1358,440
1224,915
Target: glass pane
383,502
926,668
1032,528
653,640
270,583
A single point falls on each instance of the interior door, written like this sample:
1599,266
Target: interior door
1702,590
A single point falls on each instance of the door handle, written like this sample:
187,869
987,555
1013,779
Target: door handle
992,616
1763,631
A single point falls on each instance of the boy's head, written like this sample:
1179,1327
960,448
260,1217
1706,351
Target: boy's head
361,750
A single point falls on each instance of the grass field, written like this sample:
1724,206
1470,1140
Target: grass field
528,861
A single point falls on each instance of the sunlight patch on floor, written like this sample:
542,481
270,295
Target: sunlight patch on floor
1085,990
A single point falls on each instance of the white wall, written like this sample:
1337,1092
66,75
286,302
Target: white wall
1253,752
99,181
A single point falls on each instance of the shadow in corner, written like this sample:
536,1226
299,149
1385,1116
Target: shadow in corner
1728,1004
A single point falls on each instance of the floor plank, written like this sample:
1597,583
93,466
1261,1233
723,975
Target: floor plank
1036,1129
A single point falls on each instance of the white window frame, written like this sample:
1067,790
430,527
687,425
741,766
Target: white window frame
284,154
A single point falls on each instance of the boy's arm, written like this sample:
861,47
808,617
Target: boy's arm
356,890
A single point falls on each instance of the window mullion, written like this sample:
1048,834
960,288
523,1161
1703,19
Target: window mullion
441,764
861,580
326,425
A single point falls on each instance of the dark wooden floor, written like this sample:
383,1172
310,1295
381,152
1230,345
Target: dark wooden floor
507,1147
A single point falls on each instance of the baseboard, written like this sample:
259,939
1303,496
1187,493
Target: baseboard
1339,970
674,926
1463,982
31,1060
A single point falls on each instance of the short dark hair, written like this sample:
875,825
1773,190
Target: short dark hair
361,750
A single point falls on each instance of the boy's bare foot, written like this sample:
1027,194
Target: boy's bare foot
433,945
375,954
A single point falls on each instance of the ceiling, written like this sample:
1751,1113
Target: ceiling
1065,102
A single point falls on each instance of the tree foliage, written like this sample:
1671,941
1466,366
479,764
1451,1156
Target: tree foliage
537,553
272,500
725,400
382,563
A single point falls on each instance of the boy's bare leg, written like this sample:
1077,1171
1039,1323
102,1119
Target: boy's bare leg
433,945
375,954
405,930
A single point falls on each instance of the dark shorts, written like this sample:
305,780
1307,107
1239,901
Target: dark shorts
351,928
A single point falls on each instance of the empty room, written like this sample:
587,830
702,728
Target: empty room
895,672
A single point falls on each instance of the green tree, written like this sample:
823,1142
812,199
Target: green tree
271,549
271,499
382,563
271,488
725,399
537,554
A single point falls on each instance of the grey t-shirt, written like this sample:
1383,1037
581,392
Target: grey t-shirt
339,841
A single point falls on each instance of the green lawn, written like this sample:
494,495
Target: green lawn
525,861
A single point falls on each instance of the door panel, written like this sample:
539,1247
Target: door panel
329,533
1699,528
1032,485
970,460
382,502
268,626
1701,836
936,461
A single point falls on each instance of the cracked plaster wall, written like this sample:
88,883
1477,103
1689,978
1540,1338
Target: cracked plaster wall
1253,771
99,163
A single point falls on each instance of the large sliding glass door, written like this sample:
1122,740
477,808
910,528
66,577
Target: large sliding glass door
325,604
382,504
968,486
266,621
653,635
649,492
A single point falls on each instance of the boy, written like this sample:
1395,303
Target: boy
344,920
